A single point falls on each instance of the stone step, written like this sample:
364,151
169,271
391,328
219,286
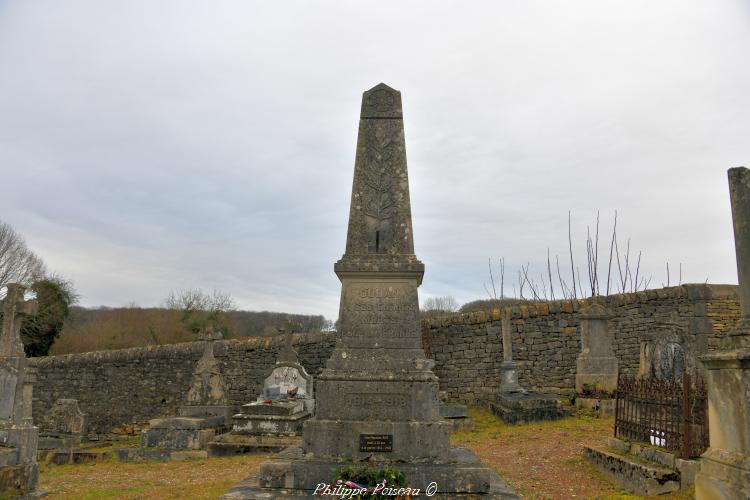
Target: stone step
634,474
250,489
139,454
239,444
60,457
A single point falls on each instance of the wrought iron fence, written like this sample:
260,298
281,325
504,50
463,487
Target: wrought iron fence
672,414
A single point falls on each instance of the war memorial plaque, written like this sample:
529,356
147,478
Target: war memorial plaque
375,442
377,397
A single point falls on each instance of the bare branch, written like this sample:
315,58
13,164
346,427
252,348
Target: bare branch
570,246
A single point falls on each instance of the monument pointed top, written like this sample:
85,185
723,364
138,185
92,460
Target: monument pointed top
381,101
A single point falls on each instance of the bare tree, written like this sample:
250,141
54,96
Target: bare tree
436,306
570,246
18,264
196,299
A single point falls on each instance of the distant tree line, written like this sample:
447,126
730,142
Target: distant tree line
183,314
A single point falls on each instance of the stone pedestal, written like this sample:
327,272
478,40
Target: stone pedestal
19,437
524,407
206,413
725,466
377,398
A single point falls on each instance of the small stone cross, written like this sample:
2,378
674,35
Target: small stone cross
209,334
288,354
14,309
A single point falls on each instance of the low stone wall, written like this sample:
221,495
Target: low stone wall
467,348
121,390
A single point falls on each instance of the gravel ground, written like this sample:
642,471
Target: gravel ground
541,460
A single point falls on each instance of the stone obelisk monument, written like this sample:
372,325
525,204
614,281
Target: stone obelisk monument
377,397
725,466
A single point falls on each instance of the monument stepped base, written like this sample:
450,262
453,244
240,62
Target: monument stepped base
230,444
523,407
289,476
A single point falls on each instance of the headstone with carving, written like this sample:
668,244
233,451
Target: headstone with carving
18,436
725,466
285,402
377,397
63,426
513,404
205,412
664,351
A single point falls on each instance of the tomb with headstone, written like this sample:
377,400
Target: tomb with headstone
725,466
377,397
274,421
512,403
596,366
205,412
18,435
663,351
63,427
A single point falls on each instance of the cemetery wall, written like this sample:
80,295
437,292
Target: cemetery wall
121,390
467,348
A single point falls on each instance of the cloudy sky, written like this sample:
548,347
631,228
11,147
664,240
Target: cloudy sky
149,146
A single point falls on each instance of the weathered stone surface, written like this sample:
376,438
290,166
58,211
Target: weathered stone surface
18,435
205,414
377,381
632,475
208,387
176,438
468,356
739,195
279,425
596,366
149,382
275,408
377,396
522,407
287,377
453,411
231,444
725,466
64,418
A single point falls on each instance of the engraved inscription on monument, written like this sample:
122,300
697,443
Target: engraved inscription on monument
380,310
376,443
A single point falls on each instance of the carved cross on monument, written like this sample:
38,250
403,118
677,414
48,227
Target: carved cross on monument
207,387
288,354
14,309
508,368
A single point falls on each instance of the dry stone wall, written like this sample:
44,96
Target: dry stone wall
467,348
121,390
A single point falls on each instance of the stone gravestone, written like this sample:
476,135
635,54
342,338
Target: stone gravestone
725,466
377,397
596,366
205,412
513,404
18,436
63,426
274,421
663,352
